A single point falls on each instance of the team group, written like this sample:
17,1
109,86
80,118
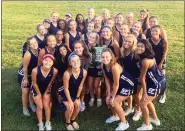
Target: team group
61,63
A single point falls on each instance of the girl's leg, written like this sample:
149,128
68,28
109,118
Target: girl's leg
151,109
90,85
137,98
25,97
38,101
68,113
75,111
97,88
47,107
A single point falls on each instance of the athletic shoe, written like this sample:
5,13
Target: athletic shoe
48,126
137,116
82,106
99,102
162,98
129,111
41,127
145,127
112,119
75,125
122,127
91,102
69,127
33,108
26,112
155,122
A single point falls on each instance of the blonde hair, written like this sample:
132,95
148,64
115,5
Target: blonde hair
55,13
134,45
130,13
106,10
113,60
138,22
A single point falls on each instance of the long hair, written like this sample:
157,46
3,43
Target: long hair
134,45
149,53
83,20
147,13
113,60
141,30
59,56
65,30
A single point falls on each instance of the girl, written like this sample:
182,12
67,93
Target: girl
72,35
105,15
109,41
73,79
91,15
124,31
90,28
137,31
81,50
119,86
94,71
144,16
53,25
24,74
59,38
160,48
111,23
81,27
130,19
152,81
153,20
62,26
119,21
129,62
42,80
97,26
46,24
49,49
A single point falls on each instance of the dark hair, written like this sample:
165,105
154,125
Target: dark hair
83,20
147,12
65,28
46,41
153,17
149,53
58,56
156,26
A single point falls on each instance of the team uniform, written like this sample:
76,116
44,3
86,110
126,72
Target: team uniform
155,81
74,84
110,46
72,39
52,30
126,82
83,31
120,40
42,81
158,50
148,33
94,69
32,64
130,65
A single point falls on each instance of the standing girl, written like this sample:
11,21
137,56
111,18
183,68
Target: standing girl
91,15
90,28
62,26
119,86
81,26
160,48
73,79
130,19
59,38
144,16
105,15
49,49
124,31
119,21
152,81
137,31
72,35
94,72
42,80
109,41
53,25
24,74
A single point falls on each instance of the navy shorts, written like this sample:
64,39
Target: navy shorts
155,90
136,86
62,95
34,93
21,79
94,72
125,89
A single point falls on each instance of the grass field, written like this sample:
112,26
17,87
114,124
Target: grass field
19,20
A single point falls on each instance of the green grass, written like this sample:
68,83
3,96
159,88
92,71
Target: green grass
19,20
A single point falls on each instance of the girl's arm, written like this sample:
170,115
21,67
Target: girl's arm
66,78
34,80
67,41
82,83
165,51
41,54
144,68
52,79
117,49
116,78
116,35
80,34
147,25
26,62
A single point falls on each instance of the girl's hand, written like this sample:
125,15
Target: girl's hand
25,83
145,97
107,100
112,102
71,106
160,66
